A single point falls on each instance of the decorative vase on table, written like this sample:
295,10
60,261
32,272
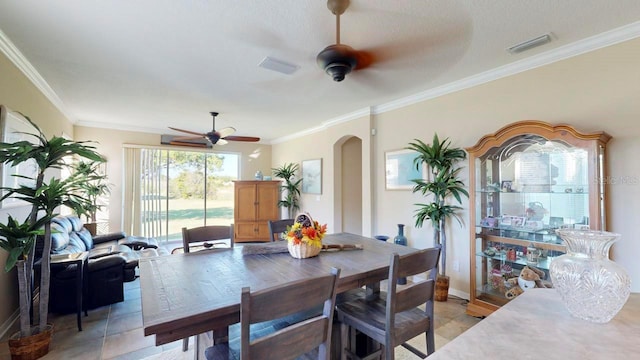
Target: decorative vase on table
591,286
400,239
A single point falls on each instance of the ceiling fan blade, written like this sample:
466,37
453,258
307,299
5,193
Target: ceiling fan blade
187,131
222,142
224,132
242,138
364,59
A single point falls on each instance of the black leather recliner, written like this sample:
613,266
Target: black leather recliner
113,259
103,283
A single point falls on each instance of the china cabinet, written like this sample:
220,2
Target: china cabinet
527,180
256,202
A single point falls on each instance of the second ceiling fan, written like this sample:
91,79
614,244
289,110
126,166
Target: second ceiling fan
214,137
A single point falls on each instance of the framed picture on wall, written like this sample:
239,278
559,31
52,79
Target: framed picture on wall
312,176
399,169
14,128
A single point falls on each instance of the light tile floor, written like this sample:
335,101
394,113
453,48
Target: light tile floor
115,332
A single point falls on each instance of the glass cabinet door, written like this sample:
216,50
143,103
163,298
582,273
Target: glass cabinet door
525,186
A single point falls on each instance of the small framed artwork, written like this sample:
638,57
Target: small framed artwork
400,169
312,176
489,222
506,185
517,221
14,128
505,220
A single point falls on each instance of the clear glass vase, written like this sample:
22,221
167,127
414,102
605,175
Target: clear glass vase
591,286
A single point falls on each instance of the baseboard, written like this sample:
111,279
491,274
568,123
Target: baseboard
459,293
8,324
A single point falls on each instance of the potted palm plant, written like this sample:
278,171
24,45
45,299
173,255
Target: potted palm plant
44,196
443,185
93,187
291,199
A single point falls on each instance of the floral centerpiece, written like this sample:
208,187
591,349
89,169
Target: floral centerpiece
304,237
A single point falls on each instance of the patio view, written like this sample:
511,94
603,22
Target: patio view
185,189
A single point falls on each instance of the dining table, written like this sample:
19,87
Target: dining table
195,293
537,325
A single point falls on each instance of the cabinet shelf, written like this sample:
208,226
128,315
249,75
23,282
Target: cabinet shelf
542,263
527,180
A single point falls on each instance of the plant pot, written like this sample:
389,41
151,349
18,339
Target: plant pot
30,347
92,227
442,288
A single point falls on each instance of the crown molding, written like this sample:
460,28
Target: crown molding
611,37
608,38
122,127
20,61
324,125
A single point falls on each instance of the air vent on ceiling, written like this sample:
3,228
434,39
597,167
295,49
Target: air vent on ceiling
530,44
278,65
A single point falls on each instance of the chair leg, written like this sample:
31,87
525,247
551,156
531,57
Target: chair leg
431,344
185,344
344,340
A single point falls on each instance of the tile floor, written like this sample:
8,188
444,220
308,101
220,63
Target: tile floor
115,332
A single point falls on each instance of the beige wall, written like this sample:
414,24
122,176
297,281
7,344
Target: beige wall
322,145
595,91
19,94
110,144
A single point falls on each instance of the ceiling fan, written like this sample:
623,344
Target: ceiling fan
338,59
213,137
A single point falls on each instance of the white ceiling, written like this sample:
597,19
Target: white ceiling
150,64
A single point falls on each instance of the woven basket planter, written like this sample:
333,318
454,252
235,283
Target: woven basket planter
302,250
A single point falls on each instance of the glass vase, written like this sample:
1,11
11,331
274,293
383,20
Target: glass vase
400,239
591,286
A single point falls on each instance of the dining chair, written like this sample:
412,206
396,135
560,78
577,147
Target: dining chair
393,318
306,330
204,234
277,227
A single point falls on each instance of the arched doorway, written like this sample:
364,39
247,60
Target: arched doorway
348,185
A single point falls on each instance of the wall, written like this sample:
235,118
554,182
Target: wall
351,190
594,91
326,207
19,94
110,142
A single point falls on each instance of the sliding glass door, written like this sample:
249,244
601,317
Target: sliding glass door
180,189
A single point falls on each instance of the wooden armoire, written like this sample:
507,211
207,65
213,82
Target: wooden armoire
256,202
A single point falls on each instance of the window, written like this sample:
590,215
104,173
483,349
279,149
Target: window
173,189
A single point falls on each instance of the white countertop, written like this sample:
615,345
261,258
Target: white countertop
536,325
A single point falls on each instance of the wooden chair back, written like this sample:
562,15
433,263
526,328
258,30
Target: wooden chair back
414,294
277,227
284,300
206,233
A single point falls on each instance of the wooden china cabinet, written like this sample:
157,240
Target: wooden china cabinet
527,180
256,202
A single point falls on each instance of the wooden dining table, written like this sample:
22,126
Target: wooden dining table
190,294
